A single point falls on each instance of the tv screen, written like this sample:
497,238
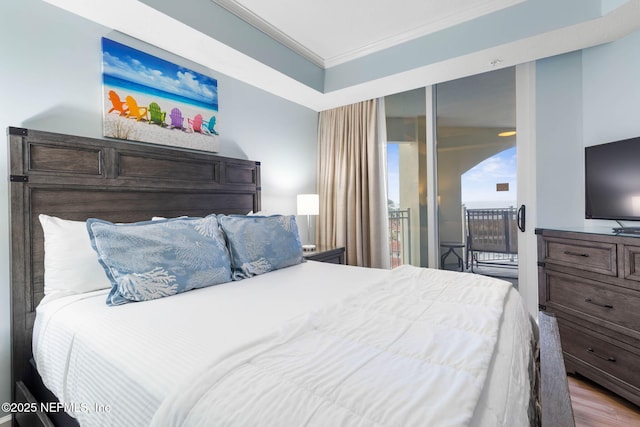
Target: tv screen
612,173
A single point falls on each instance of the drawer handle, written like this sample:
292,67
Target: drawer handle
590,301
576,254
608,359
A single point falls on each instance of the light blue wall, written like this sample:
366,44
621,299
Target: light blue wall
215,21
583,98
609,5
522,20
559,141
611,80
516,22
612,105
50,79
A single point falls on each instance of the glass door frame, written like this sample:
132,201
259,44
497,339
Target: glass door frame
527,189
433,238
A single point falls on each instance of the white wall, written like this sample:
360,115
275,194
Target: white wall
50,79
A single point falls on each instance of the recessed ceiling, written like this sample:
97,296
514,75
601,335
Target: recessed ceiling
331,32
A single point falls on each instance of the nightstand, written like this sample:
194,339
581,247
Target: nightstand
326,254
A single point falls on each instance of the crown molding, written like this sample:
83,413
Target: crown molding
454,18
257,22
142,21
451,20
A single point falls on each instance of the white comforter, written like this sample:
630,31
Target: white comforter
410,351
139,358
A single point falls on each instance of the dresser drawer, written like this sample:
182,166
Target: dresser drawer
631,256
616,305
598,257
604,355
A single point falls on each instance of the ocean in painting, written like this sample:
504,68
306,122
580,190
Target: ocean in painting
129,86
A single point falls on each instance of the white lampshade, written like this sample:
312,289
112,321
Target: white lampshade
308,204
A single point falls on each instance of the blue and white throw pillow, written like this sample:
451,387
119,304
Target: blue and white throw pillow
153,259
261,244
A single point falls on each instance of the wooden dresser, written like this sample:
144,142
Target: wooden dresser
591,282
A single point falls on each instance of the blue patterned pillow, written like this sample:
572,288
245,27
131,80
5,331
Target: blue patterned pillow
261,244
153,259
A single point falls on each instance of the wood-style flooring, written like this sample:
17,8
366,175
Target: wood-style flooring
594,406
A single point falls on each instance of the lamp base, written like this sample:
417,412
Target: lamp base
308,248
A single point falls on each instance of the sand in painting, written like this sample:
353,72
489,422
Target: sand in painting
117,126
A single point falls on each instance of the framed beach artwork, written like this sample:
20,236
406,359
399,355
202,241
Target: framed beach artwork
148,99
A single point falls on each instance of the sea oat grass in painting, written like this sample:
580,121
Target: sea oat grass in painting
115,127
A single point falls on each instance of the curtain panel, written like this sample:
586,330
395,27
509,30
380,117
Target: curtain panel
352,182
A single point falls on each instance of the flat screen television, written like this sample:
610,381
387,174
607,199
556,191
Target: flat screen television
612,177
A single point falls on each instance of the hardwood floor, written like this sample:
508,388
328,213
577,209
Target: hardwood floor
594,406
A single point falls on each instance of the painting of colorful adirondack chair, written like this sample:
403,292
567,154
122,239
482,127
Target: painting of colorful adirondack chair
156,114
195,124
177,121
117,104
136,112
149,99
210,126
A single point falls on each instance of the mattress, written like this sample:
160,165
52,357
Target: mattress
117,365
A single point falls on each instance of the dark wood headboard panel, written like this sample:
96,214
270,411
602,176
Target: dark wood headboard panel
77,178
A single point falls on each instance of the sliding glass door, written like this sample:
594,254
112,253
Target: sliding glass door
449,168
406,154
477,174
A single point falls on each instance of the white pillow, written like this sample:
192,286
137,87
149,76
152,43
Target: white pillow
70,264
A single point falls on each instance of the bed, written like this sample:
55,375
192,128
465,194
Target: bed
306,344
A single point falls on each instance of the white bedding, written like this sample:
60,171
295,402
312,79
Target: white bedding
91,354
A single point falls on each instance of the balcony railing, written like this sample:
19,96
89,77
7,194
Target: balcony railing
399,236
490,237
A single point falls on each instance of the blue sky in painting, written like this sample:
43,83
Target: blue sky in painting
132,65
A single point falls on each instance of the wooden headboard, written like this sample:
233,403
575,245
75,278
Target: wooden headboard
77,178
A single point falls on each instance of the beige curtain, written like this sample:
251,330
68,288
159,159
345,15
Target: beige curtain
352,183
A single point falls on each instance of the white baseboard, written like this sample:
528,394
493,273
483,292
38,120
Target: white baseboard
5,421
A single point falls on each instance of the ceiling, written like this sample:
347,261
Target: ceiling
314,30
324,54
331,32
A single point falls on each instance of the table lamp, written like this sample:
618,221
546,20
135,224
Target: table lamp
308,204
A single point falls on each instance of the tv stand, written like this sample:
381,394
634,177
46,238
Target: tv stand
627,230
